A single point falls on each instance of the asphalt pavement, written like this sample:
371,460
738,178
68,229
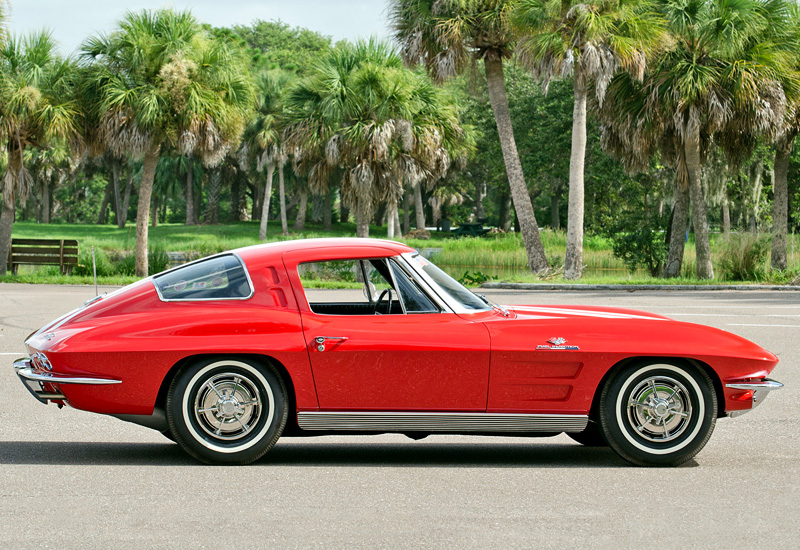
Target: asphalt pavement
71,479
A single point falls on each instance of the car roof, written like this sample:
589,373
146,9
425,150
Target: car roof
265,250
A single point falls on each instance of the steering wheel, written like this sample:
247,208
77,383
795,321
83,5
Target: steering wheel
378,302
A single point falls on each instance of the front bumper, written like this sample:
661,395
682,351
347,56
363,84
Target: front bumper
760,391
44,385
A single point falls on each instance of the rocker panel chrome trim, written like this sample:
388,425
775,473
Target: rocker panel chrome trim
439,422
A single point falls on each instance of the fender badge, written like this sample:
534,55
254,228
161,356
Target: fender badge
557,343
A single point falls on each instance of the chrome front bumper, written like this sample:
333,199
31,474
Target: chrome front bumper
760,391
34,379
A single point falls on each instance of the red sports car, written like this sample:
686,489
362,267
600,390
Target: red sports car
351,336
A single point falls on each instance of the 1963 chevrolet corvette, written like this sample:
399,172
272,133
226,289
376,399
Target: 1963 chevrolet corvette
352,336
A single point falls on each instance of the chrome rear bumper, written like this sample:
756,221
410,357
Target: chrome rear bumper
34,379
760,391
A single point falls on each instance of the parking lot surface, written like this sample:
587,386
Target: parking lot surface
71,479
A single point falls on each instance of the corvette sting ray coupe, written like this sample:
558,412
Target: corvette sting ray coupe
226,354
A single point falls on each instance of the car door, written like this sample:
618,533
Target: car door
410,356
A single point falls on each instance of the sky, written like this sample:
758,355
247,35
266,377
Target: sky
71,21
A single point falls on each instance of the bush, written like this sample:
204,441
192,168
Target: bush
642,247
157,259
743,256
104,265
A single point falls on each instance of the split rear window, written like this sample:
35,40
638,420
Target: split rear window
218,278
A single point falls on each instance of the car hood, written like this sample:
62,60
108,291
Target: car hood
574,312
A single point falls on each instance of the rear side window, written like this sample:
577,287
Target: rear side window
217,278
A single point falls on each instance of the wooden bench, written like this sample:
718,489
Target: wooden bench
63,253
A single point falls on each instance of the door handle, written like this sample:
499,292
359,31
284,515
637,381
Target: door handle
320,340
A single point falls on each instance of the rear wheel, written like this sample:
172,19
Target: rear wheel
229,410
659,413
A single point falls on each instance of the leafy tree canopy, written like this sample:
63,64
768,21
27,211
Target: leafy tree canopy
274,44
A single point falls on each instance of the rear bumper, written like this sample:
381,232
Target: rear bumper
760,391
44,385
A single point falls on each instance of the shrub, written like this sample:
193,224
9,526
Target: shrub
104,265
157,259
743,256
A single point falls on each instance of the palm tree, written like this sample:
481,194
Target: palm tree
447,36
783,151
590,42
4,5
353,108
724,78
159,80
36,107
263,138
780,186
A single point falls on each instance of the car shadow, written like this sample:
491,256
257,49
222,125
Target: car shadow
299,454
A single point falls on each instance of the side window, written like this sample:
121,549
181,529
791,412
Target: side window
218,278
343,287
414,299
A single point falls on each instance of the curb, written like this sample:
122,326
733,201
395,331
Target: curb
631,288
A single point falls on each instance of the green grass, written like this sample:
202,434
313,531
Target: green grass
501,257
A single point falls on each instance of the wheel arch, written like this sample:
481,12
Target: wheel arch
712,374
291,421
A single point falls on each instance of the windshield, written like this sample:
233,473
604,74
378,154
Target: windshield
449,286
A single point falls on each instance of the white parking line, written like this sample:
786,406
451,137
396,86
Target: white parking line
757,325
18,354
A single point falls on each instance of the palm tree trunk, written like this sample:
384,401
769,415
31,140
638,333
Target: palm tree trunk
406,212
126,201
46,201
677,240
392,219
363,215
154,209
537,261
480,193
300,220
101,216
115,167
419,208
282,200
555,215
694,167
190,217
262,230
143,209
211,215
756,180
780,204
327,214
6,224
726,215
573,260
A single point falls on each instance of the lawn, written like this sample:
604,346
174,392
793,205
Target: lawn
498,257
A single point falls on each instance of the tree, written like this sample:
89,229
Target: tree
263,138
447,35
159,80
590,42
723,79
36,107
276,45
783,152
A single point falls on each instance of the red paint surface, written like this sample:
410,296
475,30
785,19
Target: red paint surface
446,362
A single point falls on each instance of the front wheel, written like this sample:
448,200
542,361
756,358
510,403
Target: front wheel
658,414
229,410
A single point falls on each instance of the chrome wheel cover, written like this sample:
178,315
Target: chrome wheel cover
228,406
659,409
